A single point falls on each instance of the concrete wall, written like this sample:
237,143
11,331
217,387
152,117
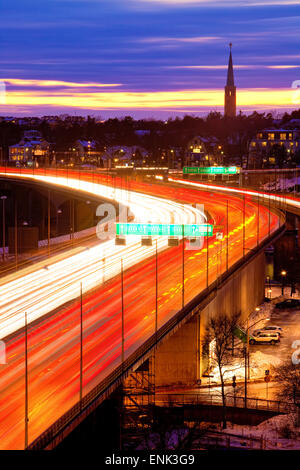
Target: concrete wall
180,359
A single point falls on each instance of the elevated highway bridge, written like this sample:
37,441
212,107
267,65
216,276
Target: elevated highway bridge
96,315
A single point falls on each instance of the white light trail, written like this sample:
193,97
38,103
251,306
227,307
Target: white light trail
44,290
247,192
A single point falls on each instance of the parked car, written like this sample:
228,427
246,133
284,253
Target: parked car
270,329
288,303
265,338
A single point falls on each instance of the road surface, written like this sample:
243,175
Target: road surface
53,339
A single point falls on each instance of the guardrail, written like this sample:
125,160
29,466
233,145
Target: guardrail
183,399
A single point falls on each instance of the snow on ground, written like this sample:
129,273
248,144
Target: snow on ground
259,361
282,184
279,432
276,294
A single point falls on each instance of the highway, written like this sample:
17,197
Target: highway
50,297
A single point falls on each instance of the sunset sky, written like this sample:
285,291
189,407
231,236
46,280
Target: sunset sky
147,58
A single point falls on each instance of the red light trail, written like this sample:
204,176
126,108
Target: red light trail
53,341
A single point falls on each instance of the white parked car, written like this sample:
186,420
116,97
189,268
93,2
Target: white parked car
273,329
270,329
265,337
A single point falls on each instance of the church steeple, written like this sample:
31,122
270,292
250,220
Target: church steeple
230,90
230,77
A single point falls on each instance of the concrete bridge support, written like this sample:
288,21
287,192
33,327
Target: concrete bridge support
180,359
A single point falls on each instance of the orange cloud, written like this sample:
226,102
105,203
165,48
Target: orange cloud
56,83
157,99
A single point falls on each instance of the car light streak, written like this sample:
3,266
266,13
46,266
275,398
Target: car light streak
43,291
53,342
248,192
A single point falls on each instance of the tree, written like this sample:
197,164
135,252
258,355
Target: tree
279,153
288,375
220,329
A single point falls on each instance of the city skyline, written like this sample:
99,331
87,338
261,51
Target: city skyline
147,58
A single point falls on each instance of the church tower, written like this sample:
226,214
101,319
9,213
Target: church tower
230,90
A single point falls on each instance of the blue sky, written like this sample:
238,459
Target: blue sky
145,46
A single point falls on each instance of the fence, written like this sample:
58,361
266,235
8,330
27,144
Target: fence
231,400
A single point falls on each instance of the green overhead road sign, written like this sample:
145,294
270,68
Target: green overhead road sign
211,170
241,334
169,230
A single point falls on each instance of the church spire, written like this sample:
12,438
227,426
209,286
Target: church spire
230,90
230,77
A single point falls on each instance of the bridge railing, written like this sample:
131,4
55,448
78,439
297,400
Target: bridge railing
183,399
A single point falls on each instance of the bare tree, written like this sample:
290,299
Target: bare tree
220,328
288,375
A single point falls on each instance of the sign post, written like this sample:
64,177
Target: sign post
267,380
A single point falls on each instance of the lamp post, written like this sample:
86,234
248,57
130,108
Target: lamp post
207,258
26,381
58,212
270,293
122,305
72,220
81,347
156,290
247,356
16,233
183,265
48,222
3,226
227,233
244,224
283,275
258,220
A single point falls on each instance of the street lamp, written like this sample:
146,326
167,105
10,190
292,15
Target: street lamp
247,355
58,212
3,226
270,293
283,275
